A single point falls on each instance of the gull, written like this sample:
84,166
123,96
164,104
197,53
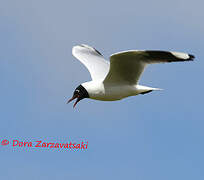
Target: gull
119,78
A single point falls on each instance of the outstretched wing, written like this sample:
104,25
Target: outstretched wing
127,66
93,60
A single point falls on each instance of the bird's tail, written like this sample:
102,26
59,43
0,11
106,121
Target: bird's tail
145,89
157,89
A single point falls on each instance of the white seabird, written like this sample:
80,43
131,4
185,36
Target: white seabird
119,78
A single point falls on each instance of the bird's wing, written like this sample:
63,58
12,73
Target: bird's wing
127,66
93,60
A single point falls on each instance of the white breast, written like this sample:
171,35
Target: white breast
108,92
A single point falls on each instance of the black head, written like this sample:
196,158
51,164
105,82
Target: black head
79,93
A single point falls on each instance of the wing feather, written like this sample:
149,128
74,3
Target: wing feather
127,66
93,60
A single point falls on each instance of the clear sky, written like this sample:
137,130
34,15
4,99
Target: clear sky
158,136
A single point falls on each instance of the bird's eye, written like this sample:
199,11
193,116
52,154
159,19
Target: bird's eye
77,91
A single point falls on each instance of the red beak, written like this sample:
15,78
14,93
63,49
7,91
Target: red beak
74,97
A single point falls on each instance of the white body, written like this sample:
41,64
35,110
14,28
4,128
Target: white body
111,92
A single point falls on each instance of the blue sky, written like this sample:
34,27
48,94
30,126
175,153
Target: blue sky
155,136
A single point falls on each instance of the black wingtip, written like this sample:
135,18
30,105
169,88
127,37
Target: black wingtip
191,57
97,51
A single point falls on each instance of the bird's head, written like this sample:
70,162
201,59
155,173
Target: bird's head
79,93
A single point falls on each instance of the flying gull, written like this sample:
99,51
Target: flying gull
119,78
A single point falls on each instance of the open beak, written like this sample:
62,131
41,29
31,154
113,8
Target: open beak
74,97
